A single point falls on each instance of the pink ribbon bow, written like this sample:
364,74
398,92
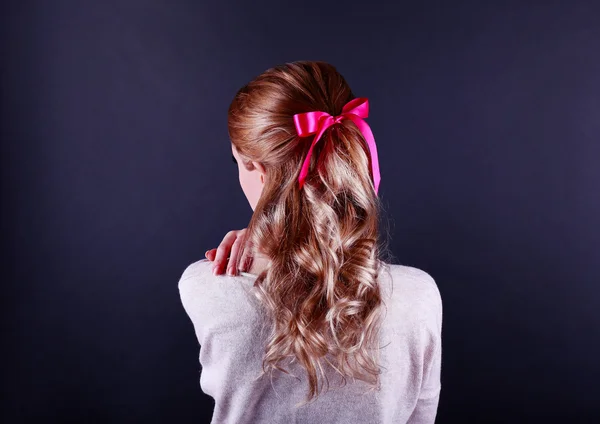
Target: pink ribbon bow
317,122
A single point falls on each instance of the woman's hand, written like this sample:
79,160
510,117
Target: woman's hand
230,246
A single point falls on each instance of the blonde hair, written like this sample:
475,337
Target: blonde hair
321,288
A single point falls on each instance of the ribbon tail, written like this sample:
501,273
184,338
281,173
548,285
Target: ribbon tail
368,135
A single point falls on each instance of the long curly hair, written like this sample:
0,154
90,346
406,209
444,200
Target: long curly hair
322,240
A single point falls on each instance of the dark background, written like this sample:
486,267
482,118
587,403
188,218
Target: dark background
116,174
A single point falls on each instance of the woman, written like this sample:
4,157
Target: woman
308,298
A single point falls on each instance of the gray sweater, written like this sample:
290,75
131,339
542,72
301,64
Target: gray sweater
229,327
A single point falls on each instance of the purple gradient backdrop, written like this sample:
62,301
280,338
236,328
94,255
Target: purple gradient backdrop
116,174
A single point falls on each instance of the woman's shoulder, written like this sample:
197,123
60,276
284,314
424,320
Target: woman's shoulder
411,294
213,299
415,279
199,268
191,285
414,294
197,279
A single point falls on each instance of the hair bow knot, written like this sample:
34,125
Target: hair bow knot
317,122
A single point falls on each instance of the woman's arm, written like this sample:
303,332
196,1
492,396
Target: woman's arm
427,404
426,409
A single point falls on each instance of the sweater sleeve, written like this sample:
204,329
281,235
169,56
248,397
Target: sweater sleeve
192,292
427,404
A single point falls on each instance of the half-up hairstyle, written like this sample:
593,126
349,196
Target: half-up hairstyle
322,241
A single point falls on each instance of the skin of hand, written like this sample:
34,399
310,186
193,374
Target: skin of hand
230,246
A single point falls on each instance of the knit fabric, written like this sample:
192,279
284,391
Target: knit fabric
231,330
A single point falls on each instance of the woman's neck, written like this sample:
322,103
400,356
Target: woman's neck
259,263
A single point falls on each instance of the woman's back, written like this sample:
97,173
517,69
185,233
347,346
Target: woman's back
229,326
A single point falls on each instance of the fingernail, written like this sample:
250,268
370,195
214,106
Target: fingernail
206,254
214,270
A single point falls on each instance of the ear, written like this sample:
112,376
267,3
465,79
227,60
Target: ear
260,168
